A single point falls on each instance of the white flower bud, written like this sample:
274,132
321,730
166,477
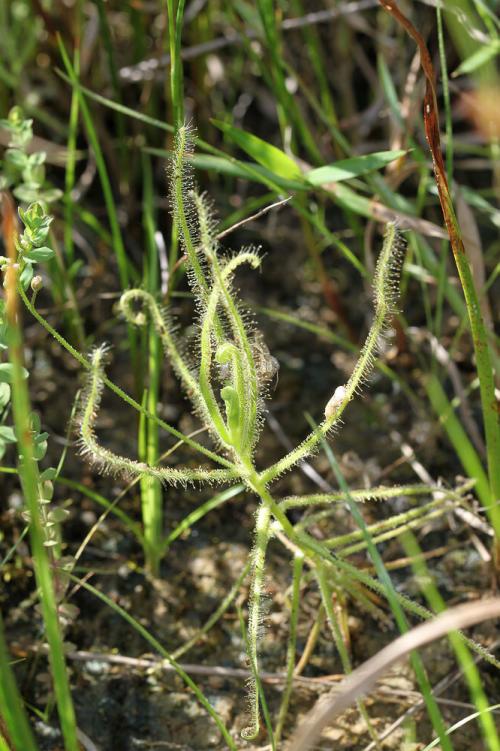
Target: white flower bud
36,283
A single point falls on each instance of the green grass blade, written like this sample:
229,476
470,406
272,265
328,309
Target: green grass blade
69,178
313,43
110,506
117,106
175,21
217,614
200,512
289,113
11,704
125,269
115,82
30,481
478,329
346,169
458,437
460,724
151,496
269,156
480,57
151,490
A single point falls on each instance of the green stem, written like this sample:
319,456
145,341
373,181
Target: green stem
151,498
30,481
262,534
175,19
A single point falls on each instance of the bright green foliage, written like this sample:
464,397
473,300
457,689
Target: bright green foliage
110,462
30,250
30,245
24,171
227,372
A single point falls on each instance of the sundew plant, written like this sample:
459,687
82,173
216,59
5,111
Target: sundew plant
227,381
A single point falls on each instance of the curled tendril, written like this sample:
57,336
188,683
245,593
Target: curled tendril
113,463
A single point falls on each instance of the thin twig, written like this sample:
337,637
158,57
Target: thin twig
251,218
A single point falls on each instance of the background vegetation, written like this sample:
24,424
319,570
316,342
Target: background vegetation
315,133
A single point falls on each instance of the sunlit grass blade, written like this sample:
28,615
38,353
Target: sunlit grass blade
460,724
151,490
273,159
458,437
